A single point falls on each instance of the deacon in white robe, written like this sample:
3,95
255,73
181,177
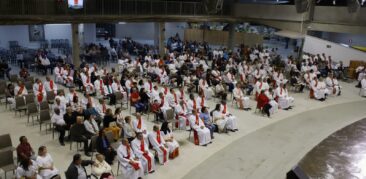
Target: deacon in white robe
141,150
202,135
159,145
131,166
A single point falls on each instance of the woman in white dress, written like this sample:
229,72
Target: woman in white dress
27,169
224,120
45,164
173,145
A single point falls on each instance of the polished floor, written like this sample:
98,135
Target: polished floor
262,147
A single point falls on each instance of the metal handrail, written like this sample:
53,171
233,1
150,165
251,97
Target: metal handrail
102,7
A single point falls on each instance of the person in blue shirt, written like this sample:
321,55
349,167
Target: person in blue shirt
205,115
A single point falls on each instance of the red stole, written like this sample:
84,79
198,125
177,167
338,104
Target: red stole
145,154
175,98
194,105
281,91
139,123
197,120
88,79
165,90
224,110
51,84
101,87
40,92
203,101
21,88
158,138
260,86
150,86
242,77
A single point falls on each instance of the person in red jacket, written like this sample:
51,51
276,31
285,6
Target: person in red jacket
263,103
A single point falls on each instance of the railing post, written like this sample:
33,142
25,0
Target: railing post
45,7
23,8
194,9
119,7
166,7
102,7
180,8
151,8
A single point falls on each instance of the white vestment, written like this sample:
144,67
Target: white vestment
124,157
204,135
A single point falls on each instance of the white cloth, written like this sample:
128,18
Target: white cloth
58,119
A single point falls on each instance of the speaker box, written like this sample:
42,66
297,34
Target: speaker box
302,5
353,6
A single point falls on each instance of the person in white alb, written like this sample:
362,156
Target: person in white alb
158,143
283,99
241,100
203,86
201,101
332,84
60,125
39,90
319,89
131,166
201,134
58,74
271,96
88,86
141,150
99,87
50,85
192,104
173,145
223,119
259,86
139,125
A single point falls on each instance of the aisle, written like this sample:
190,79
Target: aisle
271,151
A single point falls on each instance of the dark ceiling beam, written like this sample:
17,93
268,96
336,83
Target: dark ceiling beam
14,20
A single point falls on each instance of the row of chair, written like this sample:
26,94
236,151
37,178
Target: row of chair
6,154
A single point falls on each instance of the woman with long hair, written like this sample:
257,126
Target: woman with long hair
173,145
27,169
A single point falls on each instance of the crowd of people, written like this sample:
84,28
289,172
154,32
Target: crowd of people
176,87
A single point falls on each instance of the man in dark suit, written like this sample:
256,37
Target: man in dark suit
76,169
79,133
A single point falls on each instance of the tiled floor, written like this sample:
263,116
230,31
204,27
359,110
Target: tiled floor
256,162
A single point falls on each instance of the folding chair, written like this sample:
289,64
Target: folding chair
5,143
32,111
44,118
7,161
20,105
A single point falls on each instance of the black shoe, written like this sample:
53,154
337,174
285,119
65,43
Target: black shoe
88,154
61,143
